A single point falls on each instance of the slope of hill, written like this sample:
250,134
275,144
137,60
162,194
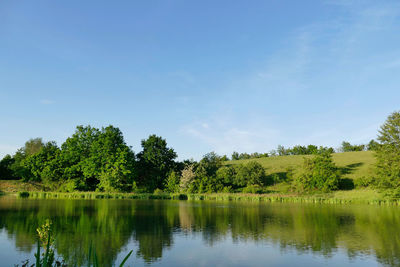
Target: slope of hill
353,164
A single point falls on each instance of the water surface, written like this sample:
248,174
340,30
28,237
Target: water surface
185,233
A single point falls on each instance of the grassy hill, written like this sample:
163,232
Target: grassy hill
353,164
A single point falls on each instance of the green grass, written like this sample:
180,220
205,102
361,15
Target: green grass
367,196
19,185
357,196
353,164
99,195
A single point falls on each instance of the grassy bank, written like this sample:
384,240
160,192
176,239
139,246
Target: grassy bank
354,165
18,186
357,196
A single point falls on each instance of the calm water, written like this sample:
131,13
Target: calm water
183,233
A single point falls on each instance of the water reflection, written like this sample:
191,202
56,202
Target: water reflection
154,226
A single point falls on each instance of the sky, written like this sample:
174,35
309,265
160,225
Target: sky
219,76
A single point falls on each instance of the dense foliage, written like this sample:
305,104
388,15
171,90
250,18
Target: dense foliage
91,159
300,150
388,153
6,164
154,163
255,155
319,173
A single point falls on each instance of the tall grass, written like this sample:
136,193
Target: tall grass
358,196
100,195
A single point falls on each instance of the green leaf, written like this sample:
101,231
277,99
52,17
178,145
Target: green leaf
125,259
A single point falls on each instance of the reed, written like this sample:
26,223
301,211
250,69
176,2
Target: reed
332,198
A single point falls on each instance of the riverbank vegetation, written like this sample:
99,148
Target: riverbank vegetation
99,160
356,196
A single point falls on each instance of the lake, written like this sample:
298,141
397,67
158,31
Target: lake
203,233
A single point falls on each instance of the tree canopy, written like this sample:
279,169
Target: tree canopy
388,152
155,161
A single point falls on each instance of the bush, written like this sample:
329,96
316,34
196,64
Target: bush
226,174
23,194
319,173
251,173
158,192
346,184
227,189
172,183
253,189
68,186
180,196
364,182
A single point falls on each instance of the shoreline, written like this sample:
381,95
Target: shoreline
338,197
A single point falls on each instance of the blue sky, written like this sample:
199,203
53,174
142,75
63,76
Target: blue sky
206,75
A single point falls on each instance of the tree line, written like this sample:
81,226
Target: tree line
305,150
100,160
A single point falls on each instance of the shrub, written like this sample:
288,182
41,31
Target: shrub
23,194
226,174
172,183
227,189
251,173
68,186
158,192
346,184
180,196
253,189
364,182
319,173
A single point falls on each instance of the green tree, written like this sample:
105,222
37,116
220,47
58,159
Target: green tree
155,161
319,173
312,149
206,180
388,152
282,151
248,174
187,181
98,159
347,147
5,168
226,174
373,145
31,147
43,159
172,183
112,161
76,151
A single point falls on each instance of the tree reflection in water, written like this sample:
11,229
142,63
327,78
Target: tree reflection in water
110,225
